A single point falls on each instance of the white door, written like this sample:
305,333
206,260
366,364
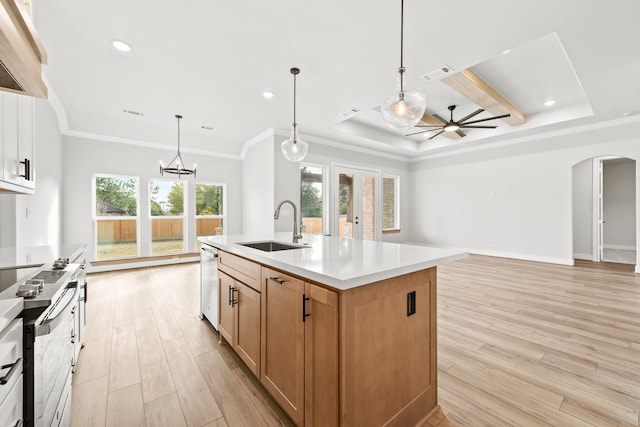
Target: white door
356,208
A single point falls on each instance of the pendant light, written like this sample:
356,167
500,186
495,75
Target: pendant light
403,110
179,168
294,149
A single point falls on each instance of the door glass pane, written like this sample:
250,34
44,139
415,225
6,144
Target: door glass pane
368,208
345,208
311,196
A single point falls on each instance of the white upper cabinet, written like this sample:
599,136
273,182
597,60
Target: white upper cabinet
18,144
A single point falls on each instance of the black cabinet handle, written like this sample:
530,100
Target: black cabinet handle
277,280
234,301
8,375
304,308
27,169
229,296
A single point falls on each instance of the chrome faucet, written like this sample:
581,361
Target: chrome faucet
296,234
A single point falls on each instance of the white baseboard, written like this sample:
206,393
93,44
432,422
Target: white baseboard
129,265
620,247
586,257
524,257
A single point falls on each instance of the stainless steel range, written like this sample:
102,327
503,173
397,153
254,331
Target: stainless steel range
50,323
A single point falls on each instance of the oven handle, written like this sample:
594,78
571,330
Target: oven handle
51,324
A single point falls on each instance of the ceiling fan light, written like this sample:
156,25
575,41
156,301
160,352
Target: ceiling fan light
451,127
294,149
403,110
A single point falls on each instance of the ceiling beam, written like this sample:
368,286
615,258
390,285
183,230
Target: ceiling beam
468,84
430,120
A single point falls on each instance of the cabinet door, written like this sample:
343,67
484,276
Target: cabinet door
26,139
11,164
247,339
283,341
226,286
321,357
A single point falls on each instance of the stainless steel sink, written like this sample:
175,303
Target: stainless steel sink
271,246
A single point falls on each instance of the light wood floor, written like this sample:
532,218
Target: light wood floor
520,344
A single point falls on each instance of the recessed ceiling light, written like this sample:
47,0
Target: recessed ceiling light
550,102
267,94
121,46
504,52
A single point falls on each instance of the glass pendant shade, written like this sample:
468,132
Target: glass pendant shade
294,149
403,110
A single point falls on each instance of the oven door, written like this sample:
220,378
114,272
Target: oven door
53,357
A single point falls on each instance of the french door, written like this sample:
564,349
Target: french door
356,207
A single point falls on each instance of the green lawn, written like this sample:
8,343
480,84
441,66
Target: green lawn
128,249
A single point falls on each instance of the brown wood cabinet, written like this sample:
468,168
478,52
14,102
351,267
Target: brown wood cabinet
362,356
240,319
300,348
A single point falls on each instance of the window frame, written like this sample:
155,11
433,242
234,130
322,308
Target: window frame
183,217
95,217
396,208
325,194
223,216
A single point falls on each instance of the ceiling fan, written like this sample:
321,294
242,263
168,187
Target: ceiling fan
455,126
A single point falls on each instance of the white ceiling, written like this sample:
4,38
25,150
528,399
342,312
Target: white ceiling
210,60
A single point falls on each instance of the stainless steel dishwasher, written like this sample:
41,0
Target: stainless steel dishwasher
209,284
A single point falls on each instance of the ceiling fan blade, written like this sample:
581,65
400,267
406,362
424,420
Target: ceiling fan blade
428,126
431,137
418,133
467,117
444,122
459,132
490,118
477,127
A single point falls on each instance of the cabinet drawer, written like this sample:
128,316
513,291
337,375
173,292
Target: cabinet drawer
282,278
10,355
243,270
11,406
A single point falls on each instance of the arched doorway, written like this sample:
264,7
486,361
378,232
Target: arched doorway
604,210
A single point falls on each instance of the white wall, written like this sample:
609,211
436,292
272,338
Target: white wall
33,220
83,158
513,200
258,186
582,207
619,191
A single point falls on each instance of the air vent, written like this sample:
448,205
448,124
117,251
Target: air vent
349,113
133,113
205,127
438,73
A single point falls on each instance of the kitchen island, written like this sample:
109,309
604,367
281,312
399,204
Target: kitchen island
339,331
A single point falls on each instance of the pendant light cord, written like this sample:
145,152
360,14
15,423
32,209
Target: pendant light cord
401,70
178,117
294,99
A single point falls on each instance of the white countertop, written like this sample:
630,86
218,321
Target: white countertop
9,310
35,256
339,263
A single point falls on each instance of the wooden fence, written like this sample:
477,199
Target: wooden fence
124,230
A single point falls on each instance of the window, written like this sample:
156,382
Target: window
312,206
116,216
167,216
210,209
390,203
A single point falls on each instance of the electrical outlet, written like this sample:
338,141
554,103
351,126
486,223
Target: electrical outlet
411,303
